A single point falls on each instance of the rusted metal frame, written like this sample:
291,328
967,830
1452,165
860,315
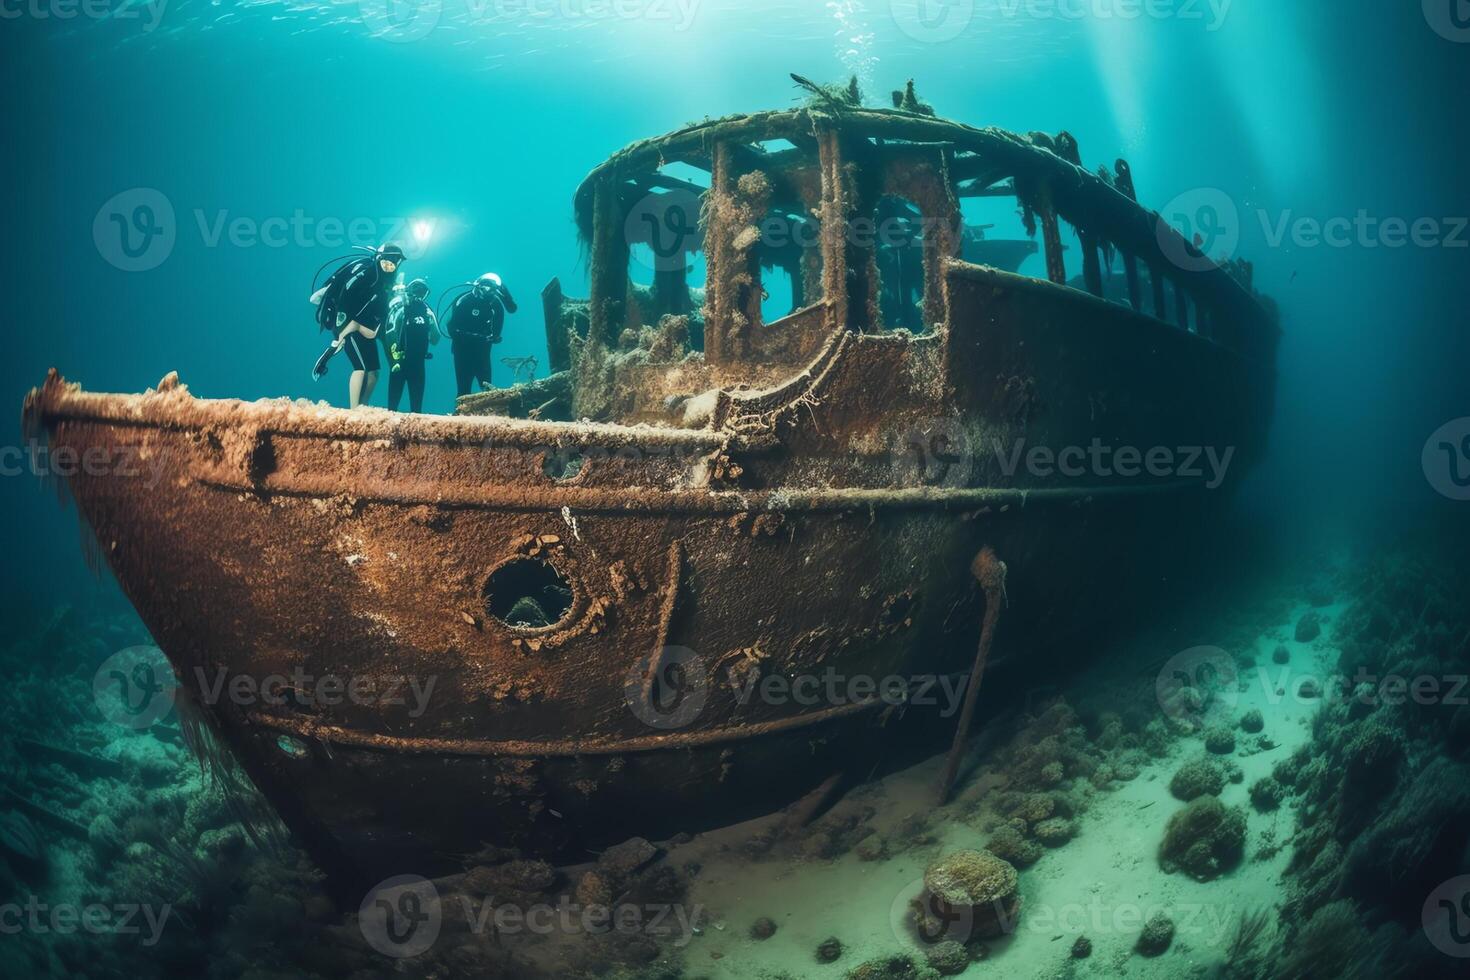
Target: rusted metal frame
1123,181
53,405
1087,240
1156,278
940,247
833,215
615,500
1091,266
1081,197
609,265
864,190
1130,271
1051,239
558,345
721,300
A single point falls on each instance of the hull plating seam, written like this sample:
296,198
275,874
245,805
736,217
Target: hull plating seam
305,728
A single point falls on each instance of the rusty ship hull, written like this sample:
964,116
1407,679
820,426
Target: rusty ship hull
819,524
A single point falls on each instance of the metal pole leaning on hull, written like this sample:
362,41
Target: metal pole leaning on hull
990,572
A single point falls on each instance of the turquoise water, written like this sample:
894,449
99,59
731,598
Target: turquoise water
268,136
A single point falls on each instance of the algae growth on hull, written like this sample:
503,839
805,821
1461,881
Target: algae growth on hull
1230,810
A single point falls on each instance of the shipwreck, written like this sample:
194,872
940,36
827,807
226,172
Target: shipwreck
593,567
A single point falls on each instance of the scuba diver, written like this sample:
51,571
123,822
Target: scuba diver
474,323
354,305
412,327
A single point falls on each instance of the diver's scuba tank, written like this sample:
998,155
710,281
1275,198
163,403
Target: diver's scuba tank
398,306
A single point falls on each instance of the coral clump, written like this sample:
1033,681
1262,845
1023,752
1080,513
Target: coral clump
1157,935
1205,839
1220,740
1308,628
1198,777
974,885
949,958
1055,832
885,968
1008,844
1267,794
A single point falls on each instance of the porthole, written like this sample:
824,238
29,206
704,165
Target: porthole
528,594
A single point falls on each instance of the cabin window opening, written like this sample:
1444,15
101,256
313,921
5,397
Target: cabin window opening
776,145
776,293
527,593
788,254
993,232
898,249
684,173
666,262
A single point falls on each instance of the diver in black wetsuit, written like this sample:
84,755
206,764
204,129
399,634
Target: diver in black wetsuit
364,304
474,323
411,329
